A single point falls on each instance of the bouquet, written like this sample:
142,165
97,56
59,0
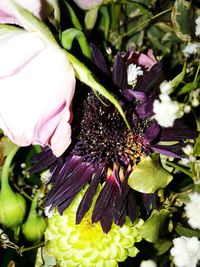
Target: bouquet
99,141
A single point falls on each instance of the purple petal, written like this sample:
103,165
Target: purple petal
149,201
44,160
102,201
174,151
147,83
98,59
145,109
152,132
71,186
119,75
132,206
86,202
63,206
106,219
175,134
121,203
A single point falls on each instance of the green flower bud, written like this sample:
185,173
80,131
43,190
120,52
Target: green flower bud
12,207
33,229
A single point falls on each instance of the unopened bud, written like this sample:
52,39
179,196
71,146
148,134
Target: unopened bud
33,229
12,207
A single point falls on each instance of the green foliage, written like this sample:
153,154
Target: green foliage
149,176
154,227
183,19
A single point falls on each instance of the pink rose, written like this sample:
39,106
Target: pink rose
36,86
88,4
37,7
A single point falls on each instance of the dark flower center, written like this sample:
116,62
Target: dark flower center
104,137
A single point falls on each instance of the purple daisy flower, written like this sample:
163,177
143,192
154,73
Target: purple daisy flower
104,151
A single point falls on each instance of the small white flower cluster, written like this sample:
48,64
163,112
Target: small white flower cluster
44,176
197,29
195,98
191,49
47,211
186,251
188,150
193,210
148,263
133,71
166,110
24,170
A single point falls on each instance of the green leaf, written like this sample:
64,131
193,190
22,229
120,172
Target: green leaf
68,36
73,17
179,168
178,79
182,17
84,75
30,22
54,16
187,88
162,247
6,146
91,17
153,228
149,176
181,230
104,21
197,147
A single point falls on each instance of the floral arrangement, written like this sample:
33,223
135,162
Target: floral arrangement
99,141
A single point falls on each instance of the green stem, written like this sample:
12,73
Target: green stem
146,22
23,193
6,166
32,247
179,168
197,73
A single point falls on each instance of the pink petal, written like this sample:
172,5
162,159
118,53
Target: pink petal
88,4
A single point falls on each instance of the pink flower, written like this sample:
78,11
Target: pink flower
146,61
36,85
88,4
37,7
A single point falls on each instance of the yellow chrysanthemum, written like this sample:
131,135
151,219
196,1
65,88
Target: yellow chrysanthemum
85,244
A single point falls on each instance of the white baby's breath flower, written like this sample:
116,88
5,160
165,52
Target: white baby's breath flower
148,263
188,150
133,72
166,87
184,162
186,251
190,49
166,111
47,211
187,109
197,29
44,176
193,210
195,98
